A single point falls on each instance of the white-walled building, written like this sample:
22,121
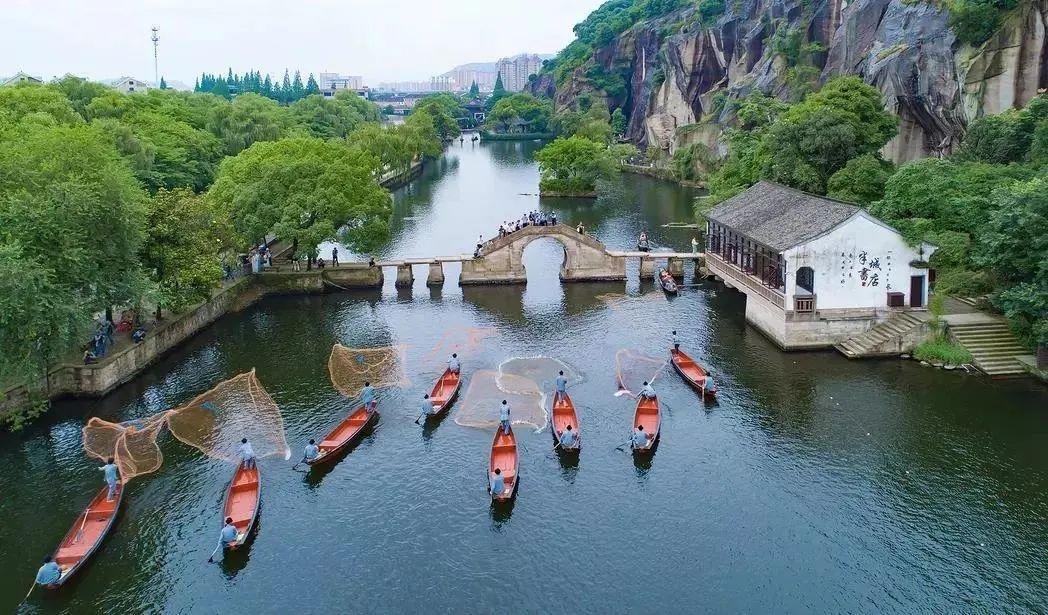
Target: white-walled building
335,81
815,271
129,85
18,78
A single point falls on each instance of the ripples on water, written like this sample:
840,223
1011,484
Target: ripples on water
813,484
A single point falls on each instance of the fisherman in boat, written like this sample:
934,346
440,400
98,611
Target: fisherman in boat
707,384
312,451
49,573
229,534
567,438
111,473
562,386
647,392
453,363
676,341
498,483
639,439
367,396
426,407
504,417
247,454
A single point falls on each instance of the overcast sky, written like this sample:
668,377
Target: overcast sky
383,40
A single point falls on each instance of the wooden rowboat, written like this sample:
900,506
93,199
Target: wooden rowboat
444,392
648,415
666,281
564,414
87,533
504,457
692,373
242,501
345,434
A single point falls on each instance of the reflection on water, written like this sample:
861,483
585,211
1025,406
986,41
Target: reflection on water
816,483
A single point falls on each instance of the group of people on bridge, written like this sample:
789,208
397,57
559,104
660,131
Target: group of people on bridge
532,218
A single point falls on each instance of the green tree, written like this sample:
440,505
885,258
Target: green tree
40,102
286,93
163,84
862,180
575,164
304,190
184,156
325,118
999,139
249,118
521,106
618,122
474,91
297,89
442,109
80,92
498,93
185,233
311,86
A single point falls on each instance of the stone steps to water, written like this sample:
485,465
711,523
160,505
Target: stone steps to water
994,348
862,345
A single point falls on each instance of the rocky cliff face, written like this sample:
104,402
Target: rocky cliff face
679,73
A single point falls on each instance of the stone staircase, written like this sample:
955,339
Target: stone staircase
899,334
994,348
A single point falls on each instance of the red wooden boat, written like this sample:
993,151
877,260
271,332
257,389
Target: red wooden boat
564,414
692,373
242,500
647,414
87,533
504,457
444,392
345,434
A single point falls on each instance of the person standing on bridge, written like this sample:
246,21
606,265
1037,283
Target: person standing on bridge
334,257
694,245
553,219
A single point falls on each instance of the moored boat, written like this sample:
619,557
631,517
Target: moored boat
647,415
504,458
242,501
444,392
562,415
693,373
346,433
87,533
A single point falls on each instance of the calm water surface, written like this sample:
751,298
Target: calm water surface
814,484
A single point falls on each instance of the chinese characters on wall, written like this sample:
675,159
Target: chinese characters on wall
869,270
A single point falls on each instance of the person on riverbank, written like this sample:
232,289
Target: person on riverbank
334,257
49,573
504,420
296,262
567,438
647,392
229,534
453,363
112,477
246,453
498,483
676,341
639,438
561,386
581,230
694,245
367,397
311,452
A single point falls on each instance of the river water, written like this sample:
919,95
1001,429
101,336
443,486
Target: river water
814,484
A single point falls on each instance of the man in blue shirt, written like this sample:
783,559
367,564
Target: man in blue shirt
49,573
367,396
639,439
707,384
426,407
562,386
453,364
229,533
312,451
676,341
567,438
247,454
504,417
647,392
111,473
498,483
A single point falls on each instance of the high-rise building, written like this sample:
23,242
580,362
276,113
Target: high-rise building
516,70
335,81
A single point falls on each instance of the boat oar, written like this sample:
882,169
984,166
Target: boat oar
212,558
419,418
80,532
31,588
295,467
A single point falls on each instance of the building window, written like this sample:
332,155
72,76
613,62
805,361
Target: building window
806,279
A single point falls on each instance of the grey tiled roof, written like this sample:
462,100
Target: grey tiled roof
780,217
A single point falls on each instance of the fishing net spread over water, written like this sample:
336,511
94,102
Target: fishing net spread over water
541,371
633,369
350,368
215,421
481,405
132,444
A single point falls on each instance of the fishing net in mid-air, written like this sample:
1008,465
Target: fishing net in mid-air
215,422
480,406
351,368
539,371
462,340
633,369
132,444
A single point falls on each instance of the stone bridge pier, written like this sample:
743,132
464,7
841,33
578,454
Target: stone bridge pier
500,261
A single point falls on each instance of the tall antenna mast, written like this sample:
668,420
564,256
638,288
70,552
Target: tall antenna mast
156,64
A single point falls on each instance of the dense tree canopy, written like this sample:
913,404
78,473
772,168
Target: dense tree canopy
335,117
524,107
443,109
574,165
249,118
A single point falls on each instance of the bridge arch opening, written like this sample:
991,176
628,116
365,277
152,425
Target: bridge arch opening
542,259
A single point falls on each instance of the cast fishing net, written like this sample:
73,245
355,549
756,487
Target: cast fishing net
131,444
540,371
215,422
462,340
633,369
350,368
480,406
